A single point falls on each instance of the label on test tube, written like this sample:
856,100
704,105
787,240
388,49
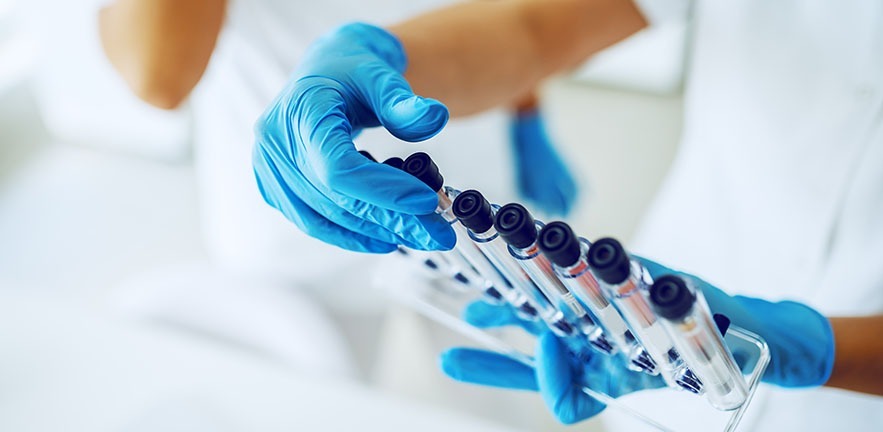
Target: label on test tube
612,320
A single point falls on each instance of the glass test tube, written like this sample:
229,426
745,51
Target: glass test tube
688,320
430,263
506,292
520,231
434,263
463,257
567,252
476,214
625,281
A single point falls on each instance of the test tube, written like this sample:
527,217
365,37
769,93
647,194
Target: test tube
568,252
434,263
688,320
625,281
476,214
465,255
520,231
420,165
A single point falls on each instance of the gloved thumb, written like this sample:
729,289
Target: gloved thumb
415,118
559,384
407,116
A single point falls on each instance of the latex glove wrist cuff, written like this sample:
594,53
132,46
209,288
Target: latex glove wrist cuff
802,346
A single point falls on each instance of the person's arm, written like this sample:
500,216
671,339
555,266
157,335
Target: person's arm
858,350
161,47
466,58
472,56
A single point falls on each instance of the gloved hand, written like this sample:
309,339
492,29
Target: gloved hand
559,374
800,340
543,178
308,168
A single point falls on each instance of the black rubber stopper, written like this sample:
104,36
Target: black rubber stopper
559,243
395,162
516,226
420,165
474,211
671,298
609,261
367,155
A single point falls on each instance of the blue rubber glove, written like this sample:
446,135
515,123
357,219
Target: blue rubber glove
543,178
800,340
558,372
308,168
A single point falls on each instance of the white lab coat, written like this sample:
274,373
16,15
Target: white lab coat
777,190
259,47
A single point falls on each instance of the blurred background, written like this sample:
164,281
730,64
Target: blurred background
117,315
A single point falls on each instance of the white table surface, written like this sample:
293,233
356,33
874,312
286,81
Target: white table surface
65,370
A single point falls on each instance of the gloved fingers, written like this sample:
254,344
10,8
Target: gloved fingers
375,182
656,270
718,301
407,116
311,222
559,385
487,368
297,184
329,162
327,155
543,177
568,191
422,232
483,315
555,198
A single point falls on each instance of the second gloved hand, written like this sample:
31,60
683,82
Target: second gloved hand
800,339
305,162
542,177
559,375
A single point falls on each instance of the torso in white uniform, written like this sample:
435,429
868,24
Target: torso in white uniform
777,191
259,48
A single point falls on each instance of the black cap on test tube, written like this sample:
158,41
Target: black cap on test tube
473,211
516,226
559,243
671,298
609,261
395,162
367,155
420,165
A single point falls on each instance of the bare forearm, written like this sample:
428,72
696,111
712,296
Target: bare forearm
473,56
161,47
858,353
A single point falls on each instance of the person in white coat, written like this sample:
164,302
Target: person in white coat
775,194
228,58
777,190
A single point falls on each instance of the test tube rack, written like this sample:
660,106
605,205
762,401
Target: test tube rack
453,283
